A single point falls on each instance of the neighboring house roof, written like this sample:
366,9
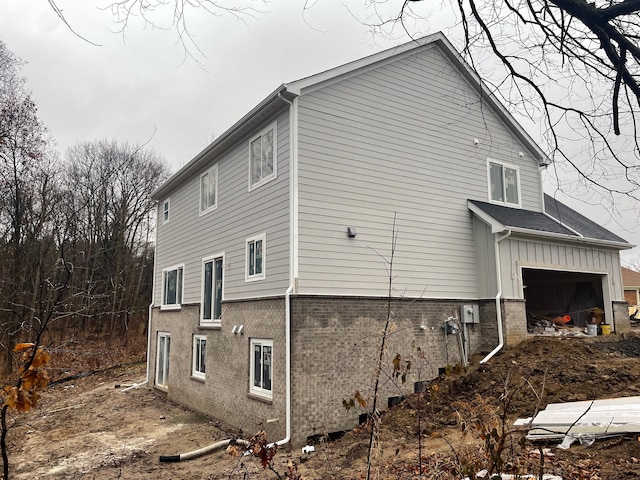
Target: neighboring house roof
282,96
630,278
559,221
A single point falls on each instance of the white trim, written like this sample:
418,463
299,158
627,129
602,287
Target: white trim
211,171
215,322
177,305
166,335
295,194
261,276
259,391
562,224
194,357
272,126
518,184
166,202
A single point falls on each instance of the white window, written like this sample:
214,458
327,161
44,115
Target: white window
209,190
504,184
165,211
212,273
172,279
162,359
262,157
261,367
199,356
256,256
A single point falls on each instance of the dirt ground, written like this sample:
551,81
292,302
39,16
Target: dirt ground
90,428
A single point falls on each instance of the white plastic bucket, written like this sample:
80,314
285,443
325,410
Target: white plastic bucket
592,329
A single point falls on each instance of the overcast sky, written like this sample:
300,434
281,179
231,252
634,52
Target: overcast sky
140,88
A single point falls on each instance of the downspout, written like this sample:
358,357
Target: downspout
153,299
293,243
498,297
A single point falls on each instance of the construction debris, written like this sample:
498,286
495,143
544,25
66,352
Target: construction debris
584,421
508,476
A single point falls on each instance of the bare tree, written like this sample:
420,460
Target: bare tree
109,186
571,66
27,199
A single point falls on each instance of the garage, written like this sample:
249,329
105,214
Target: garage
553,293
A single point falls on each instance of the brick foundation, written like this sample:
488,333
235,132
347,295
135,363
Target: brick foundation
335,344
622,324
224,394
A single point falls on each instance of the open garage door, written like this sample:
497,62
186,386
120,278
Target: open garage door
549,293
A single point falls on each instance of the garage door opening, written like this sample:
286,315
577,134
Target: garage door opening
552,293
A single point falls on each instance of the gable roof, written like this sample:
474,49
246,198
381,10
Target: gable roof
558,221
280,98
630,278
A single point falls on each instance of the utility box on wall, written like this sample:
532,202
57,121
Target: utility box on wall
470,314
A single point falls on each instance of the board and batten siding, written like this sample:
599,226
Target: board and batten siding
188,237
517,253
398,138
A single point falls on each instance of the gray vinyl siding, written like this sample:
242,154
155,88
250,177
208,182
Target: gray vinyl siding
188,237
516,253
485,259
398,138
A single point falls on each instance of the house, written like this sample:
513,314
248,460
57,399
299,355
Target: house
631,283
272,275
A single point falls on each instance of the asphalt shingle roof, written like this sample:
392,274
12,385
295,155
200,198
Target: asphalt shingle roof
573,219
538,221
517,217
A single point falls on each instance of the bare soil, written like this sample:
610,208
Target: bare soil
91,428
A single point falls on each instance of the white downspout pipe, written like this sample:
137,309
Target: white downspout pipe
287,367
153,299
293,237
498,297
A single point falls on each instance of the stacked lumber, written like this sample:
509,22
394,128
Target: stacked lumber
584,421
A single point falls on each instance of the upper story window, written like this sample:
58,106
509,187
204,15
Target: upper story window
504,184
172,279
211,311
262,157
165,211
209,190
255,254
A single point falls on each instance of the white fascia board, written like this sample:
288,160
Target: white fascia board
571,238
312,82
496,227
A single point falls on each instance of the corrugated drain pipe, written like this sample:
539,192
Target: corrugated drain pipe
204,450
498,297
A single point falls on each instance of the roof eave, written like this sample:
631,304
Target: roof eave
496,226
571,238
219,143
542,158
